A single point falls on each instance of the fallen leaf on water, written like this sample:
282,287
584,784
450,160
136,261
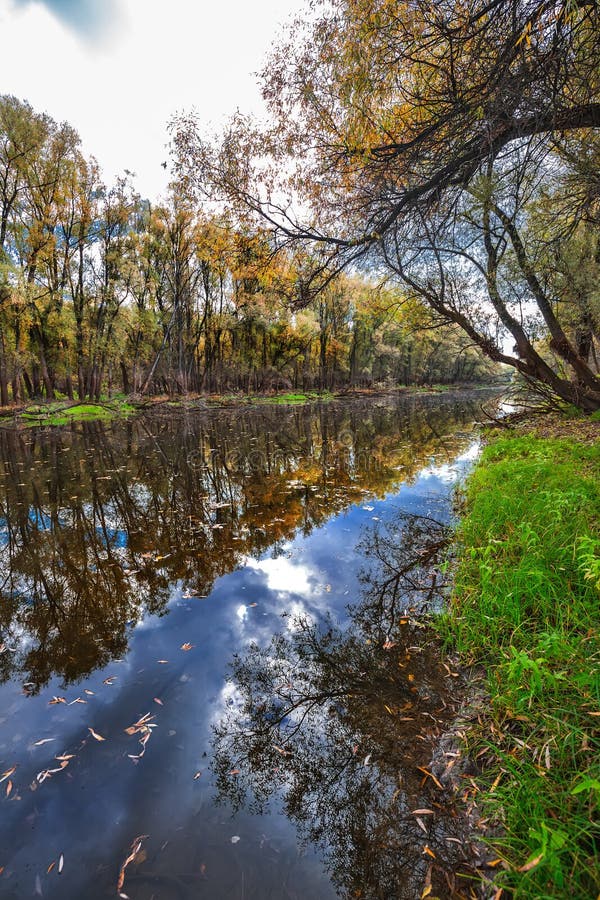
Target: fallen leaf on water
186,646
77,700
43,741
95,735
109,680
91,693
235,772
9,787
61,863
56,700
50,867
7,774
235,838
134,849
159,701
162,661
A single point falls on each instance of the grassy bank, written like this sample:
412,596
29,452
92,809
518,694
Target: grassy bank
525,608
61,412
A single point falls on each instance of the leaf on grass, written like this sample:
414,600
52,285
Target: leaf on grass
95,735
531,863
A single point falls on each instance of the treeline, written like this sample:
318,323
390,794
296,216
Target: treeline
102,292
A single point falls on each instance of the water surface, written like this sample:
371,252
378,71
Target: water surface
138,561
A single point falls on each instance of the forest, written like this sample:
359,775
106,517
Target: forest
103,292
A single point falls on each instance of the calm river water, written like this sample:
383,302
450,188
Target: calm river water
211,681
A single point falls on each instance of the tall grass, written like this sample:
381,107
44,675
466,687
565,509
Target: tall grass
525,605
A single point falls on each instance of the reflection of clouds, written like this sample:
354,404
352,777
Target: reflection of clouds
283,575
450,473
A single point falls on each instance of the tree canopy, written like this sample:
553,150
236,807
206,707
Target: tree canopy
452,147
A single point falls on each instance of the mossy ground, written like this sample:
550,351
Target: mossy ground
525,608
64,413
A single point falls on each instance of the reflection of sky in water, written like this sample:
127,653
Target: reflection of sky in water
92,810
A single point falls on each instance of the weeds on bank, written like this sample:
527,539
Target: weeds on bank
525,605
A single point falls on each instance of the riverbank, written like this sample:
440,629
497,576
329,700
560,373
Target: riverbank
524,610
64,412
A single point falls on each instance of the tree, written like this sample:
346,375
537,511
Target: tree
399,132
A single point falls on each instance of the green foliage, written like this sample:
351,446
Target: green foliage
525,605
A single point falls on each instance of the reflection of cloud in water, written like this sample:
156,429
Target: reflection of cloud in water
449,473
283,575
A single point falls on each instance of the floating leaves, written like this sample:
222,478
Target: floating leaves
7,774
144,727
95,735
136,846
186,646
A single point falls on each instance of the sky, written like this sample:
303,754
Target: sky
118,70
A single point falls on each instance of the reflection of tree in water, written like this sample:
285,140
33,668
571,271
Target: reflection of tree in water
342,725
97,524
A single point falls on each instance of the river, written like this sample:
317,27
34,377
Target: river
214,681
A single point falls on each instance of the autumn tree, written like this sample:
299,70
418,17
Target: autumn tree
411,136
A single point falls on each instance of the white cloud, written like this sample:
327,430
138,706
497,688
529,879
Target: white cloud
158,59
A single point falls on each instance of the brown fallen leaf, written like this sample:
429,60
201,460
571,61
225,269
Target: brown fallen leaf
91,693
109,680
423,812
159,701
134,849
186,646
429,775
95,735
50,867
9,787
531,864
56,700
43,741
234,772
7,774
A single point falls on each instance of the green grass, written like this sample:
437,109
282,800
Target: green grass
525,606
60,414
